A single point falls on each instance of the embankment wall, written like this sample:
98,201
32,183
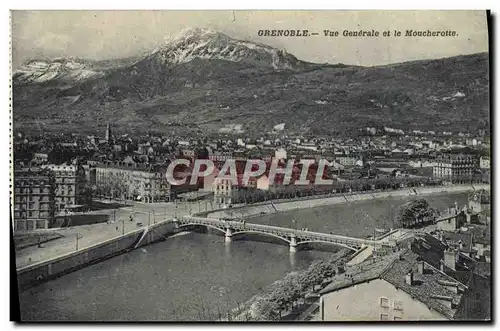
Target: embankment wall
157,232
311,202
55,267
37,273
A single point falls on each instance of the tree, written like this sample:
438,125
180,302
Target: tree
113,187
265,309
414,213
88,192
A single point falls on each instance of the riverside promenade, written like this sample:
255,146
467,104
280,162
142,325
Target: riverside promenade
277,206
80,237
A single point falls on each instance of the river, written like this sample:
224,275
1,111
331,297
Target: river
197,276
355,219
189,277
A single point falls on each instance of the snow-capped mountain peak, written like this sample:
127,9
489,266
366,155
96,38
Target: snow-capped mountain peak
194,33
42,71
199,43
189,44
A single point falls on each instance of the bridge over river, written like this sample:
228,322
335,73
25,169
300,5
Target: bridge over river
294,238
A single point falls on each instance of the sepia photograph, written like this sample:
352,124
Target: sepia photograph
250,166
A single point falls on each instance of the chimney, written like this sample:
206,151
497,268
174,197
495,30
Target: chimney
452,286
468,217
445,300
420,267
441,236
409,278
450,258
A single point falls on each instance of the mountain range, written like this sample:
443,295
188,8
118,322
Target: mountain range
206,81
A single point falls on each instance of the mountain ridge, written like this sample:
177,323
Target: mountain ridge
204,80
189,44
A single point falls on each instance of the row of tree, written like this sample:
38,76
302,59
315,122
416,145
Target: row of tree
290,292
120,188
250,195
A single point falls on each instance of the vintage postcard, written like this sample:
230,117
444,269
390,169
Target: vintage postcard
221,166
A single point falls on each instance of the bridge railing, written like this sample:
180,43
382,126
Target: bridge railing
281,231
308,235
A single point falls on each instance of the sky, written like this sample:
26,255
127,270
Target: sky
117,34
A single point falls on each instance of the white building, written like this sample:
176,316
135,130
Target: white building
280,154
223,189
395,288
263,183
484,162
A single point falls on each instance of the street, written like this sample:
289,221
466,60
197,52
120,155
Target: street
120,223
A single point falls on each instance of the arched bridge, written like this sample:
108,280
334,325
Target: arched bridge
293,237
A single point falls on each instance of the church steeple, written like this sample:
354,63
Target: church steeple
108,133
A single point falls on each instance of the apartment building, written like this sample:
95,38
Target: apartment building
223,189
456,168
34,198
133,181
70,183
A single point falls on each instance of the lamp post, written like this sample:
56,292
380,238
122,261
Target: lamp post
66,217
25,215
78,236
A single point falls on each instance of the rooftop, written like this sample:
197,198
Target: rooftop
481,234
432,287
483,269
431,250
456,238
31,172
360,273
131,166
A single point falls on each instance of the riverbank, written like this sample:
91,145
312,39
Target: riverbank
43,271
142,215
27,239
272,207
287,298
